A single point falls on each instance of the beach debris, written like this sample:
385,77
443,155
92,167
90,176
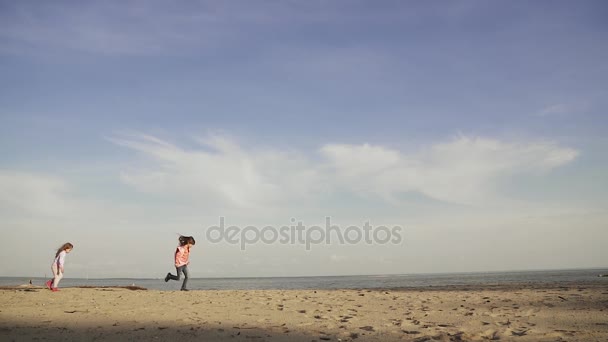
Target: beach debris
411,332
130,287
367,328
422,339
24,287
457,336
507,322
518,332
490,335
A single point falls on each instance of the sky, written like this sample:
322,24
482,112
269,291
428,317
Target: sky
476,127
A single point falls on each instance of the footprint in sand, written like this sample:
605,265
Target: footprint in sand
411,332
344,319
516,332
396,322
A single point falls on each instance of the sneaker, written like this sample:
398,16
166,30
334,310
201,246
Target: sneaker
49,284
167,277
54,289
184,290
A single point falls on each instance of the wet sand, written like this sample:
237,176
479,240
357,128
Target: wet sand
506,313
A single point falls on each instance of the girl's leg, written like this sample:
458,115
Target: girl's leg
172,277
57,277
185,270
49,283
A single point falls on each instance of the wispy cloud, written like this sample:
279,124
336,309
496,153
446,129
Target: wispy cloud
151,27
464,170
119,28
220,173
561,109
553,110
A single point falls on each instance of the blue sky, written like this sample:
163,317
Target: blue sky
478,126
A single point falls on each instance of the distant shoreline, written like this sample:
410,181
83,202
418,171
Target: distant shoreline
531,271
451,281
430,288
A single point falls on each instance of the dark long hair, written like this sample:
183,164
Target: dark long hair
65,246
184,240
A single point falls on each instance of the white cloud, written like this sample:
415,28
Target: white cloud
553,110
134,28
220,173
464,170
562,109
29,194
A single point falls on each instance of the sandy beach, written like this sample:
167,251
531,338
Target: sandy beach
509,313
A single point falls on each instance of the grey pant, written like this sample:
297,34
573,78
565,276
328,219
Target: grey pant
180,270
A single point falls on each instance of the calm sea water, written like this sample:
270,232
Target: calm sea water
342,282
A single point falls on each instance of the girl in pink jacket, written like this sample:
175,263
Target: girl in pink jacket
182,259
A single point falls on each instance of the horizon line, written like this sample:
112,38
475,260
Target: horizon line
342,275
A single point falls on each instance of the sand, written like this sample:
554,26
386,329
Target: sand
505,313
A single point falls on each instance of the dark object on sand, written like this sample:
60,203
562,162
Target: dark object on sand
36,288
130,287
19,288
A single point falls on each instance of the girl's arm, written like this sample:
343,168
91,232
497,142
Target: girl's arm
61,261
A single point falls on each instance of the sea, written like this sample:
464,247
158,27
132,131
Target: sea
565,277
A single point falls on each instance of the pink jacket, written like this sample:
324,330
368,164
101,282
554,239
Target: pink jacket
182,256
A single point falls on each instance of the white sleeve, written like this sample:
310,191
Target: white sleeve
61,258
